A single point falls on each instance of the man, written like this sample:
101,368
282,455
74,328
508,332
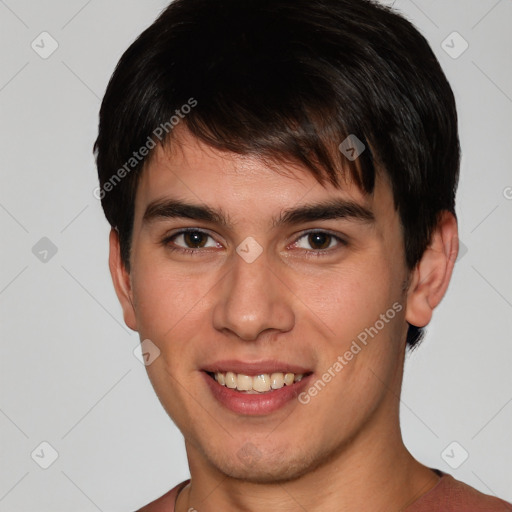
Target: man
280,177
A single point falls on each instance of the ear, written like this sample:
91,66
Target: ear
121,280
430,278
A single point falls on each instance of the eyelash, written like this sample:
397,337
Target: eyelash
166,242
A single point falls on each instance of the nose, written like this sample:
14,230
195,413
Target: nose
253,299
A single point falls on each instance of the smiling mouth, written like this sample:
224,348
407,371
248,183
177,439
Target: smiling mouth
258,384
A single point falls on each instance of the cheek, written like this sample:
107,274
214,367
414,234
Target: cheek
170,312
351,299
362,353
165,299
362,306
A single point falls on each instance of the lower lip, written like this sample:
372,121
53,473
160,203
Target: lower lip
255,404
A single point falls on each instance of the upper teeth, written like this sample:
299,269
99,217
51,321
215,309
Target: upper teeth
259,383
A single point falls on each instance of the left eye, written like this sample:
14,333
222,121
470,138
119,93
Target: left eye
318,240
192,240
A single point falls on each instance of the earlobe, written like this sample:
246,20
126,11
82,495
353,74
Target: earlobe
431,277
121,280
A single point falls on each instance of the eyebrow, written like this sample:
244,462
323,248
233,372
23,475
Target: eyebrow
326,210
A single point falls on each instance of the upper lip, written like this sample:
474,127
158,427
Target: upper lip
254,368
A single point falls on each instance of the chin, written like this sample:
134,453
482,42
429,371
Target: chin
262,474
251,465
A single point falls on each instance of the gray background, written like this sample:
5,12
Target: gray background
68,372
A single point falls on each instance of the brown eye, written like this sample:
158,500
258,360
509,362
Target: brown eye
195,239
190,240
319,240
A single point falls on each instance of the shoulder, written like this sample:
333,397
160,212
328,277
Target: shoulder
451,495
166,502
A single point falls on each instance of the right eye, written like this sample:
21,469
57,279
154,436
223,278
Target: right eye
189,241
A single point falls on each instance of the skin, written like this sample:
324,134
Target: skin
343,451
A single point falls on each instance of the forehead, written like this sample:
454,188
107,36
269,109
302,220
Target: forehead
189,169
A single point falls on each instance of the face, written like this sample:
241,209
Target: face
243,273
